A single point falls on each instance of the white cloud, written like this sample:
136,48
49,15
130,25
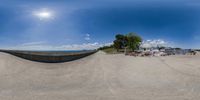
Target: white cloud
154,43
42,46
87,37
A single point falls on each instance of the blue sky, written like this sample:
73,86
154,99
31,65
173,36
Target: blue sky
78,23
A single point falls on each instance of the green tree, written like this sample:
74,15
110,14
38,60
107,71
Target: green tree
119,37
120,41
117,44
131,40
134,41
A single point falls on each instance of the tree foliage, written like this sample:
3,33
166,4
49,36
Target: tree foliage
131,40
134,41
120,41
117,44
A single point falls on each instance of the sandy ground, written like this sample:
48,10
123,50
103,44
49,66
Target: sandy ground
101,77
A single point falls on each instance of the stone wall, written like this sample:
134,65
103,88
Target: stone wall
51,58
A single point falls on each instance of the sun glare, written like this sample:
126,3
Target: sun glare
43,15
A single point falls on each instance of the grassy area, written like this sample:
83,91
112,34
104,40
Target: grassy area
110,50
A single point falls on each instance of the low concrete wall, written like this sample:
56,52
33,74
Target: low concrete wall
48,57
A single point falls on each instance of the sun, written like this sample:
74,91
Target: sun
43,14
